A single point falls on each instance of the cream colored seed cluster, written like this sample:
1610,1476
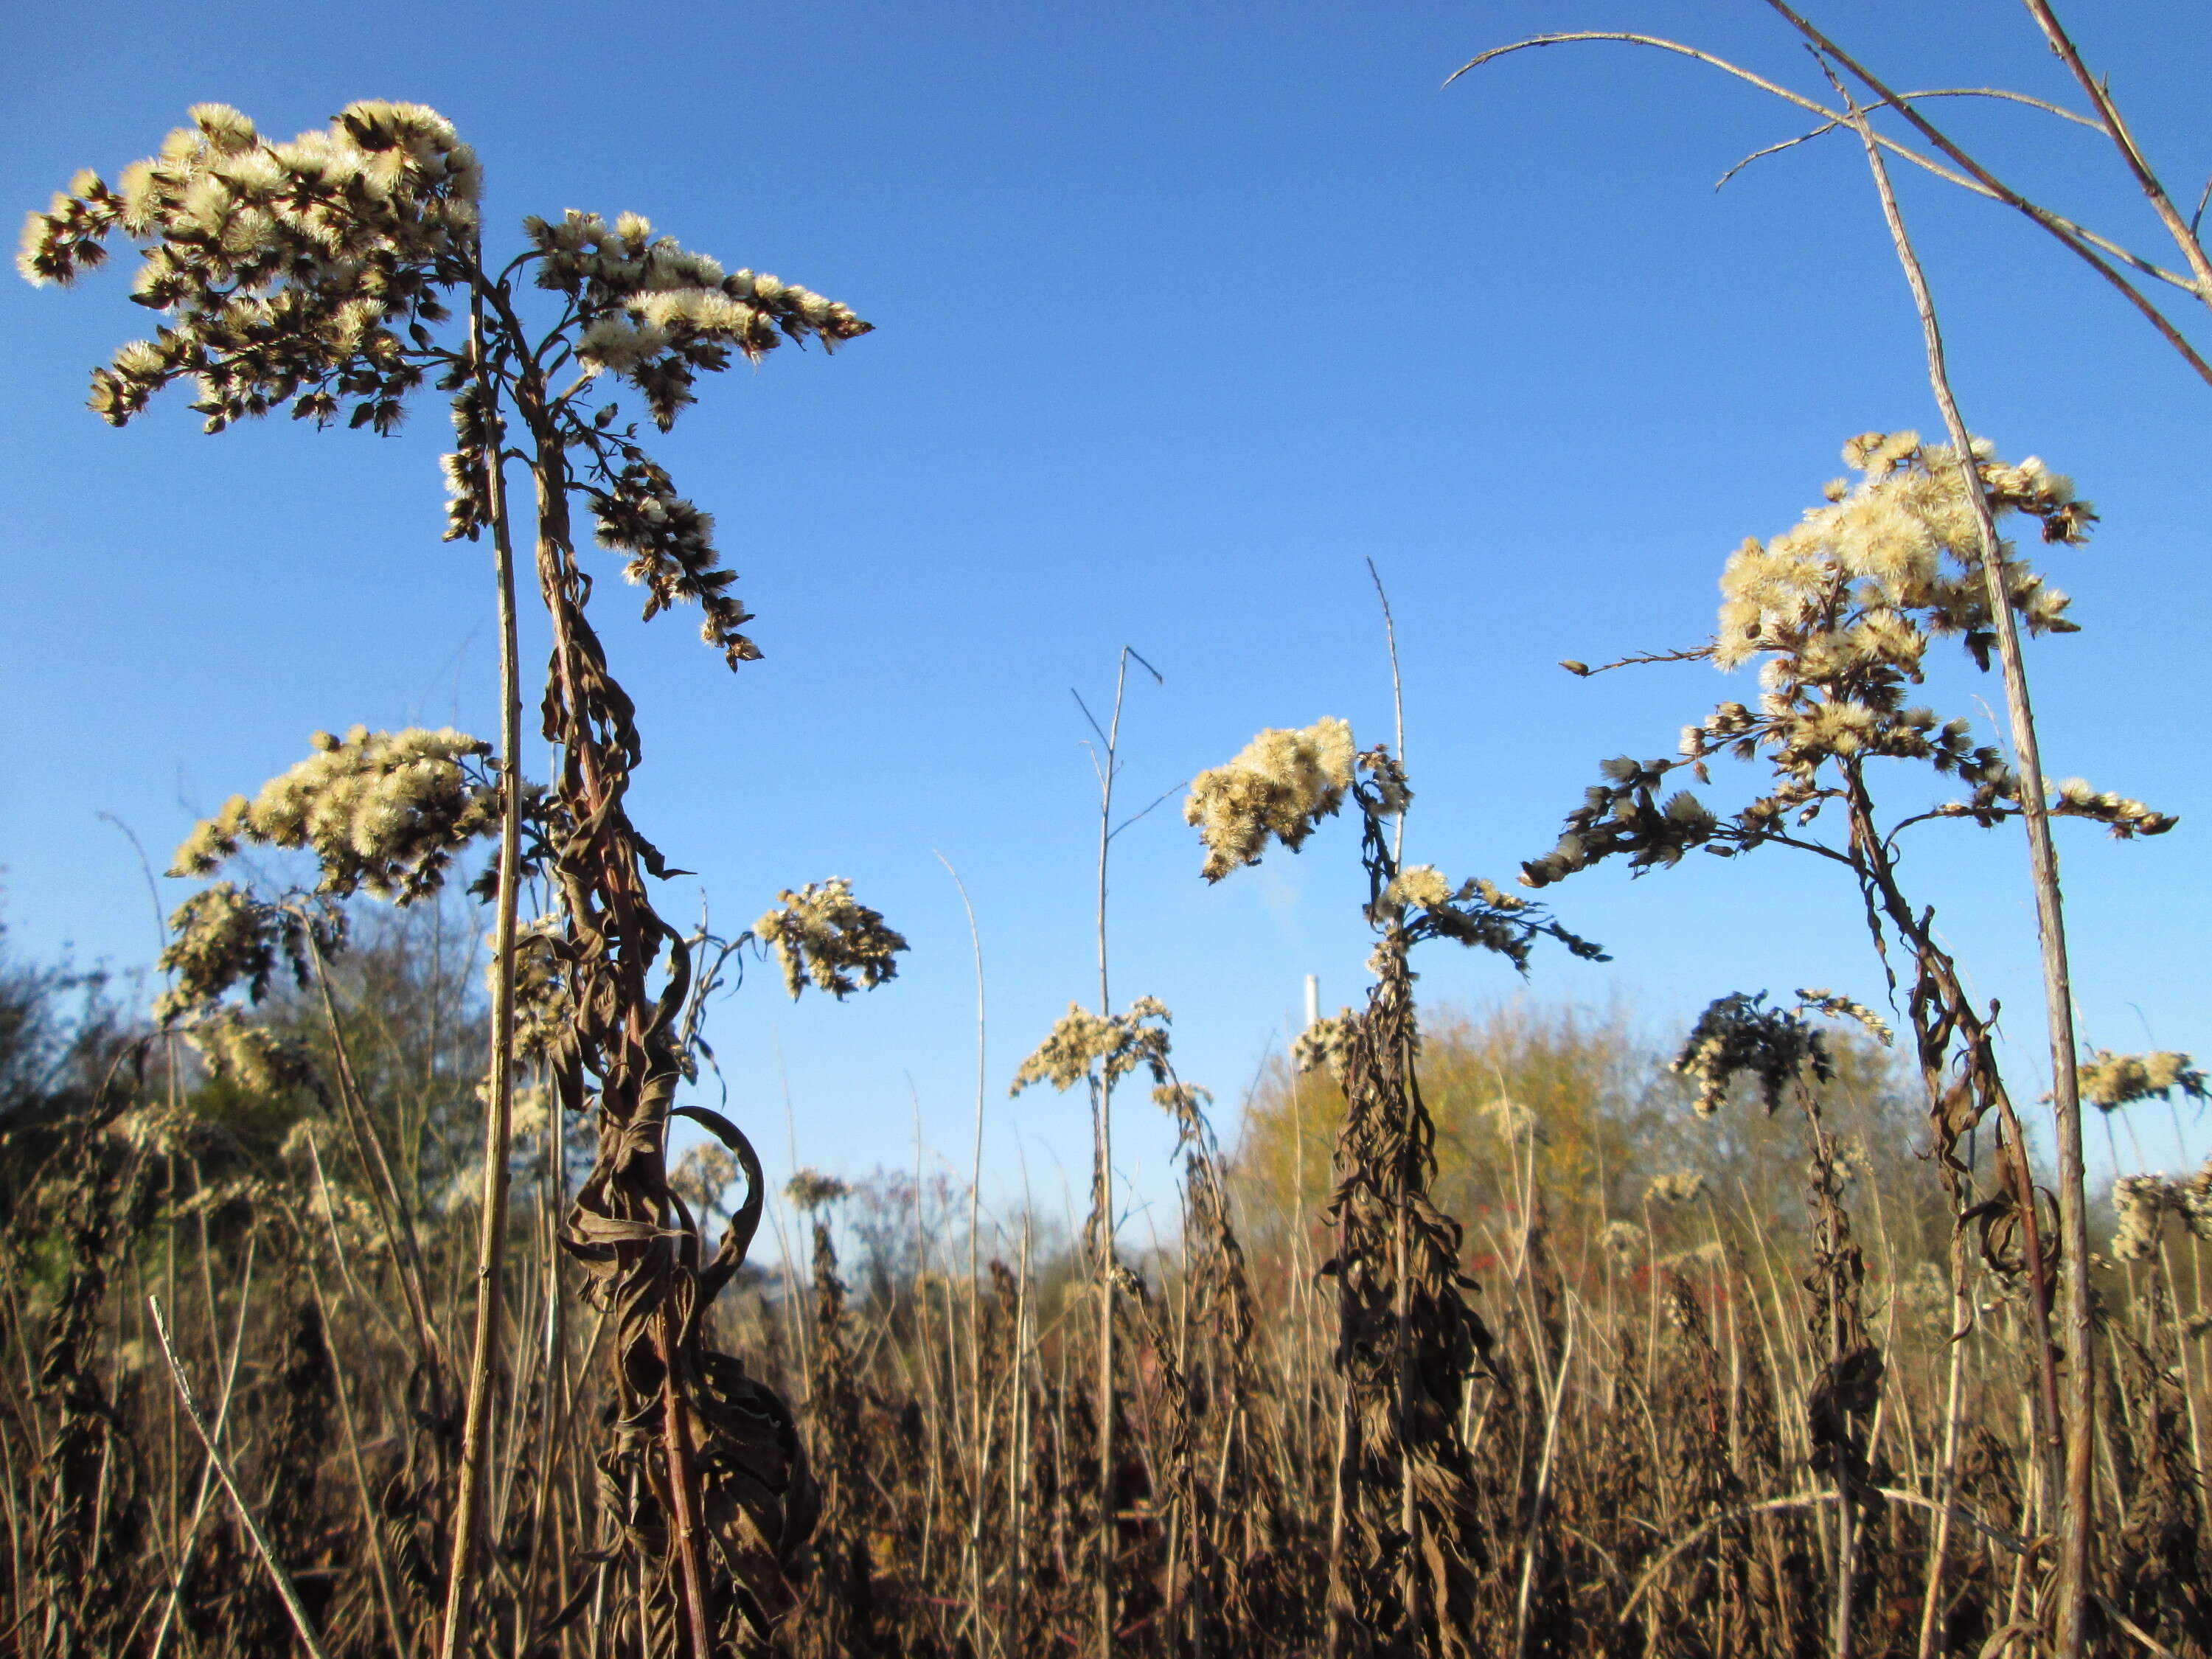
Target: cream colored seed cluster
1739,1034
2142,1203
2109,1081
1834,1004
1116,1043
259,1060
1422,885
822,933
1327,1043
1624,1240
220,937
1903,539
383,812
1678,1187
808,1190
1282,784
277,263
654,297
381,173
2076,798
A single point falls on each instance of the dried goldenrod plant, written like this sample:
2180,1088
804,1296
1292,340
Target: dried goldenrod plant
1839,612
2124,271
1406,1543
315,274
1739,1036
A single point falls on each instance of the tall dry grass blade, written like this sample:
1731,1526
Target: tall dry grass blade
281,1580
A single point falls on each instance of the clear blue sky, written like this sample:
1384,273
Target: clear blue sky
1184,311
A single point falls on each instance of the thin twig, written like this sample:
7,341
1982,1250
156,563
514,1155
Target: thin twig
1397,698
1986,183
1975,178
2184,236
1695,653
276,1573
1826,127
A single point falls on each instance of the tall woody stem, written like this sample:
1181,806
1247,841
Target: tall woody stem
2077,1406
499,1113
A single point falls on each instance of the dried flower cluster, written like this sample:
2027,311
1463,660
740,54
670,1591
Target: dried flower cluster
1676,1187
264,1063
287,270
655,313
1738,1034
1117,1044
1862,582
1282,784
543,1011
823,934
704,1176
220,938
1842,609
1834,1004
2142,1202
811,1190
1325,1042
383,812
2109,1081
670,544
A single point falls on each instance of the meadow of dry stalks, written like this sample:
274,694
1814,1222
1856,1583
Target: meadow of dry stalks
360,1301
1661,1456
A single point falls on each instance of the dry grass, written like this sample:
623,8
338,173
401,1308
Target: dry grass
1709,1422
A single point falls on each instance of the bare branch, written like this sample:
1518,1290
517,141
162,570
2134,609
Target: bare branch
1939,92
1975,178
1695,653
2072,235
2185,237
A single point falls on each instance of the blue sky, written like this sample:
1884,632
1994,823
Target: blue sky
1184,314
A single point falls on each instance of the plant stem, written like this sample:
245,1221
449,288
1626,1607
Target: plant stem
2078,1407
1103,1197
499,1113
301,1622
974,1284
2116,128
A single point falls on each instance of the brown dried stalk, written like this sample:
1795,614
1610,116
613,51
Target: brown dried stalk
499,1106
2077,1516
277,1576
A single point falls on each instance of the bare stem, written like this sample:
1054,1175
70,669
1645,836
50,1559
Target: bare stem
499,1113
2078,1405
2116,126
301,1622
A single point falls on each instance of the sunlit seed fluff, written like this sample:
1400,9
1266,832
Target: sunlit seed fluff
2109,1081
1678,1187
693,310
382,811
1422,885
822,934
1110,1046
1281,784
2140,1203
620,346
